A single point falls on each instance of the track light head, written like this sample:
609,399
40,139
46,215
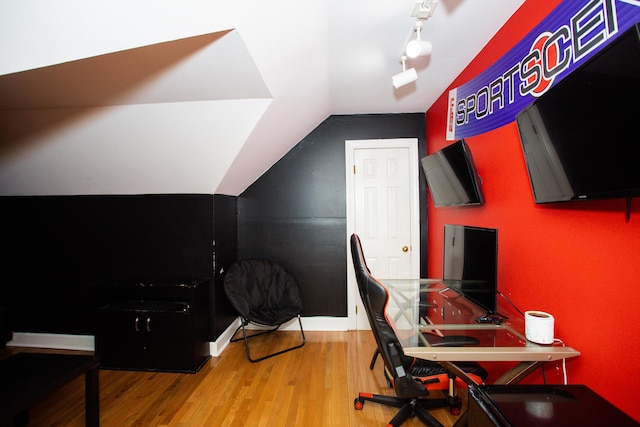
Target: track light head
406,76
418,47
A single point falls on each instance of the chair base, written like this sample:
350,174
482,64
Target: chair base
245,337
411,407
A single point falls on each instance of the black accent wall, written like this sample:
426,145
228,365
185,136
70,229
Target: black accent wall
225,252
295,213
55,249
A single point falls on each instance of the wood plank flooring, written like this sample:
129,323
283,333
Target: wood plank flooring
312,386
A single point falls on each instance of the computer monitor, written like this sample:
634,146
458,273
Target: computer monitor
470,263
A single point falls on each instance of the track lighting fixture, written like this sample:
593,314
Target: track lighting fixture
422,10
406,76
418,47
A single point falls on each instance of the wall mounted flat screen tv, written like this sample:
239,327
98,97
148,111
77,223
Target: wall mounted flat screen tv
581,139
470,263
451,176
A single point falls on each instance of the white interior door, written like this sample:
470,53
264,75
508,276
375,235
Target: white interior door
382,208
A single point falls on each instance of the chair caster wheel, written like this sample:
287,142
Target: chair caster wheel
358,403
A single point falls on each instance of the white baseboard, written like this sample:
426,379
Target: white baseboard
87,342
308,324
217,347
319,323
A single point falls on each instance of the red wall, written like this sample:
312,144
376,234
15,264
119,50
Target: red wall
577,260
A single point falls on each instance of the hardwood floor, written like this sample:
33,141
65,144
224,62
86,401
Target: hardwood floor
312,386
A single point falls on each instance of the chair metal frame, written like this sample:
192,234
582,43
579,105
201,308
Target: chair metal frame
245,337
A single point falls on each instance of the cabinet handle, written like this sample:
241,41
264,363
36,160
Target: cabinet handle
148,324
137,325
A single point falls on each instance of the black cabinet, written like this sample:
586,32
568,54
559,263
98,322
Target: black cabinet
155,327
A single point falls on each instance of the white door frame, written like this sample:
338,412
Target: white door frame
350,147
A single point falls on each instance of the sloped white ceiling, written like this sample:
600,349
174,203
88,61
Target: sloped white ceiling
157,96
214,66
115,150
144,120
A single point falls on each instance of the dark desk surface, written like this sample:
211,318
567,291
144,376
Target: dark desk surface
27,377
542,405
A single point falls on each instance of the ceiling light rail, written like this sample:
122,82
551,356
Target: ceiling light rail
423,9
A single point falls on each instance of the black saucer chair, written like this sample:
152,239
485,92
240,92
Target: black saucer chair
412,379
265,295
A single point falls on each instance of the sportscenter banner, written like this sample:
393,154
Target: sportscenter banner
571,34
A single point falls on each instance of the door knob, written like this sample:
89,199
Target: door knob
405,248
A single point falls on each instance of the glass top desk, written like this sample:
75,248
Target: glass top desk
430,318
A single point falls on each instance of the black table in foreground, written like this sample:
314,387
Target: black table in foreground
25,378
542,405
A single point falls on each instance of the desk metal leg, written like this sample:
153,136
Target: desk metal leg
453,369
518,372
92,397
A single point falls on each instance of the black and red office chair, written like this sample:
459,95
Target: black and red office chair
411,378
